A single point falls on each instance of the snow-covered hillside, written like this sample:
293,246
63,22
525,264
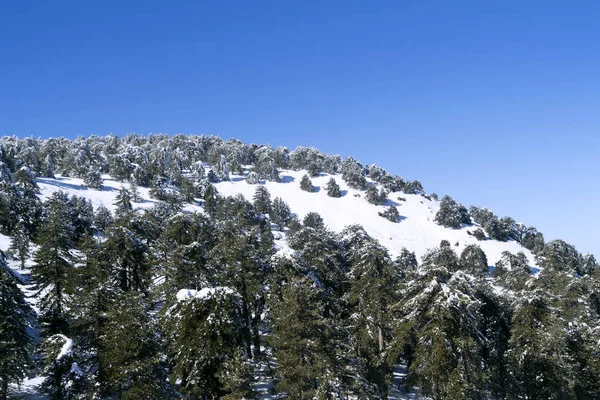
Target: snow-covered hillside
416,230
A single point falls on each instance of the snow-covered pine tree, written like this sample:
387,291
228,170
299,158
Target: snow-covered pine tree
280,213
262,200
306,184
451,214
333,189
391,214
53,264
15,316
93,179
473,261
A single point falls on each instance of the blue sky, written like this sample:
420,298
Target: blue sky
494,103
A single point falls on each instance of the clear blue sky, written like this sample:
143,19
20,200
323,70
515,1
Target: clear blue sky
494,103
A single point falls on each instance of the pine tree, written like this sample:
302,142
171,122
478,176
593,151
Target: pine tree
299,331
391,214
53,263
306,184
280,213
64,379
374,196
373,286
103,218
15,316
438,333
123,203
313,220
451,214
19,243
93,179
333,189
474,261
512,271
262,200
128,351
203,332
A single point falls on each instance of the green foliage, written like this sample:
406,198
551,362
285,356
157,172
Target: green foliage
15,316
451,214
262,200
391,214
374,196
306,184
128,350
280,213
473,261
333,189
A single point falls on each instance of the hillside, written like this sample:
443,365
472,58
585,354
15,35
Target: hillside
133,268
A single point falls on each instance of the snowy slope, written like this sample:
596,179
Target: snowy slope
416,231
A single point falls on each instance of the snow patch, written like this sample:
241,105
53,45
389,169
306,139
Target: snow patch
188,294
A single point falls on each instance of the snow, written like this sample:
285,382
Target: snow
187,294
416,230
66,348
4,242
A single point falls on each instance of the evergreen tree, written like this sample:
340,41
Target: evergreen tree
512,271
103,218
123,202
306,184
93,179
473,261
262,200
451,214
373,285
129,353
19,243
406,265
313,220
333,189
53,263
438,334
64,379
280,213
299,332
15,315
374,196
391,214
203,332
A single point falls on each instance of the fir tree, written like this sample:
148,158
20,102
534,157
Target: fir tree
103,218
451,214
128,351
123,202
93,179
262,200
15,316
374,196
391,214
313,220
306,184
474,261
280,213
53,263
19,243
333,189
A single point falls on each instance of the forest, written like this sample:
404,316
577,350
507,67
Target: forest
217,301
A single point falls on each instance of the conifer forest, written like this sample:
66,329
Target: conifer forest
192,267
